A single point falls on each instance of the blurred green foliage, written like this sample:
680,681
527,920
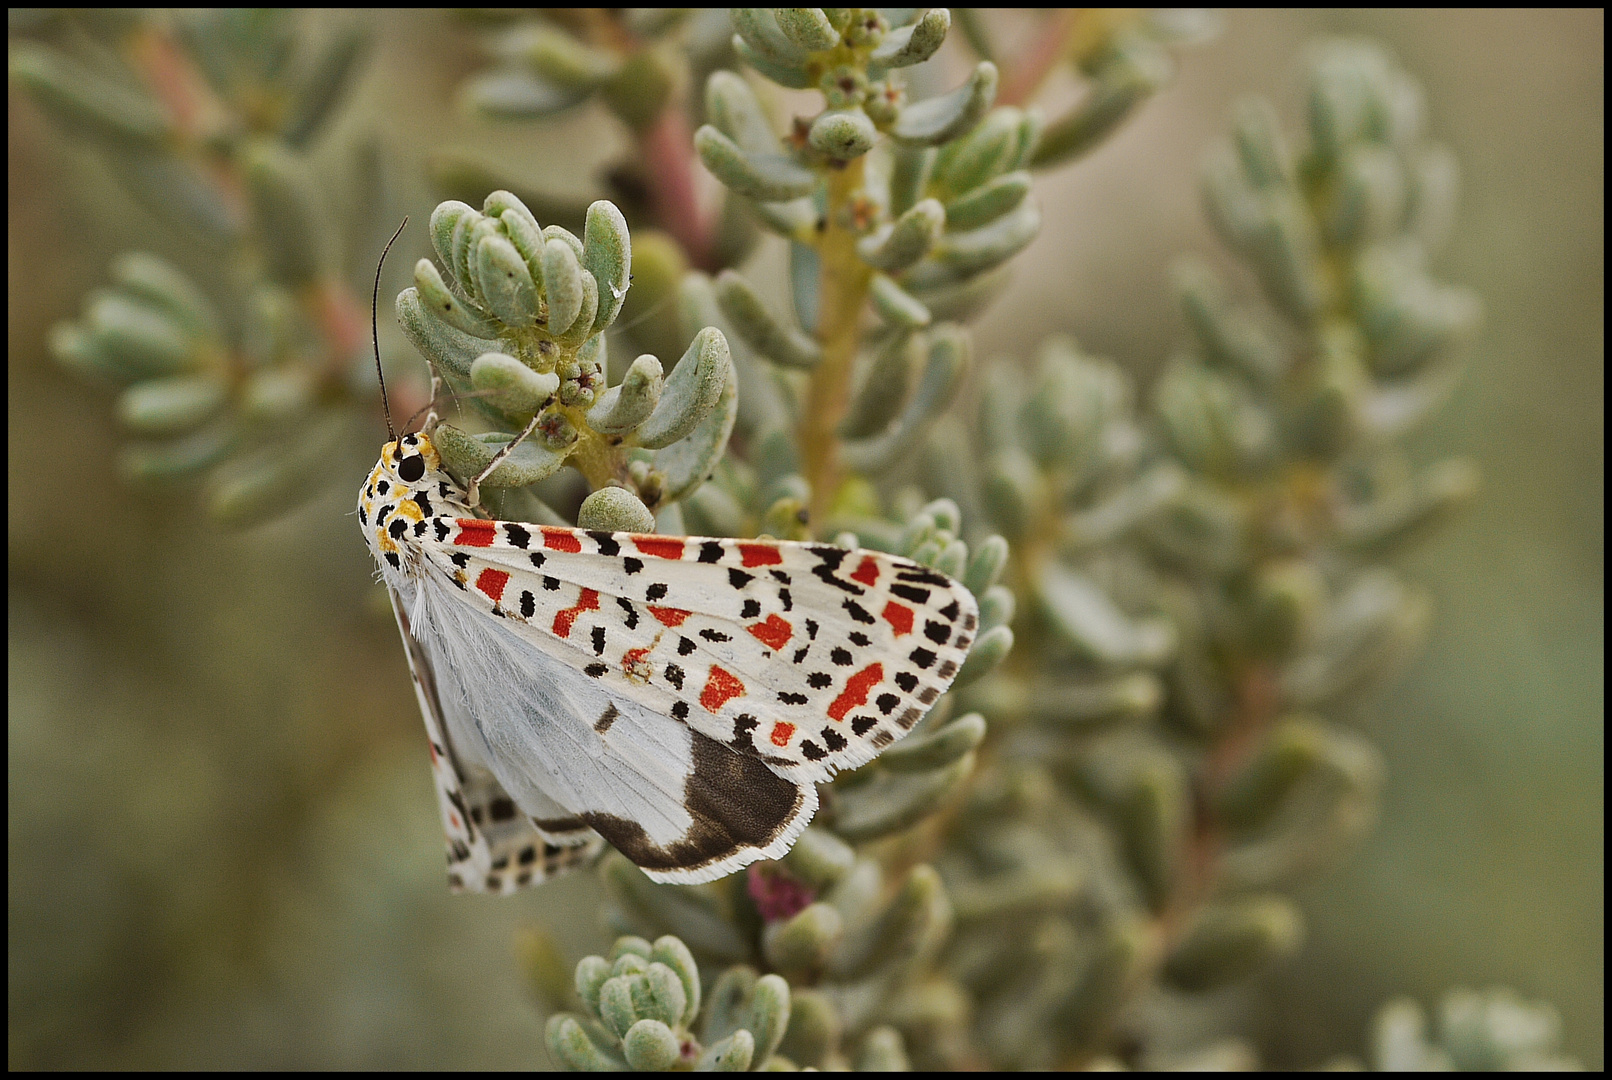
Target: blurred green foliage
216,858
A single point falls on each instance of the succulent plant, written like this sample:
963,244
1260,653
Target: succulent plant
1184,606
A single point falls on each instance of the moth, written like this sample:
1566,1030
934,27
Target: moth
677,697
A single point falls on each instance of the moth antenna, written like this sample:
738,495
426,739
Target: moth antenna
375,330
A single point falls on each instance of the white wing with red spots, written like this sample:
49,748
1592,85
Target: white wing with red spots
811,657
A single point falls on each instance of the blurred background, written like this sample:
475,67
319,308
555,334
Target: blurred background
223,848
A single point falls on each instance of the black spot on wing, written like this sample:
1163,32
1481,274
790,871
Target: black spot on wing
858,612
923,575
606,718
674,675
947,669
598,640
629,608
656,591
862,723
685,646
858,638
886,702
595,671
738,578
744,725
607,543
922,657
632,565
836,742
528,604
750,609
907,592
710,552
792,699
714,635
842,657
938,632
829,560
517,535
819,680
907,681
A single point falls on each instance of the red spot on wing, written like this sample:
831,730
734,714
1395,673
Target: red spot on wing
492,583
899,618
868,572
668,616
782,733
567,617
474,532
662,547
720,689
856,691
632,659
558,539
760,555
774,633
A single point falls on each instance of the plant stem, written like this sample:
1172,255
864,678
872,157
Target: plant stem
1258,704
667,149
844,289
1027,71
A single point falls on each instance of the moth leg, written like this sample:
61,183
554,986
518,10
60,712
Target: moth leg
474,490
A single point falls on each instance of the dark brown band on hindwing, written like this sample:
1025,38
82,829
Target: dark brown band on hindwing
736,803
560,825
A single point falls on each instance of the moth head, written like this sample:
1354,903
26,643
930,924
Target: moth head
410,458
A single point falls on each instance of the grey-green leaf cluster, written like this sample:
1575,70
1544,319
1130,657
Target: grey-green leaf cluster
244,381
640,1006
1493,1030
944,201
515,324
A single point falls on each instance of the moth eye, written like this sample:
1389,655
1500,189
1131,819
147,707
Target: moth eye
411,468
